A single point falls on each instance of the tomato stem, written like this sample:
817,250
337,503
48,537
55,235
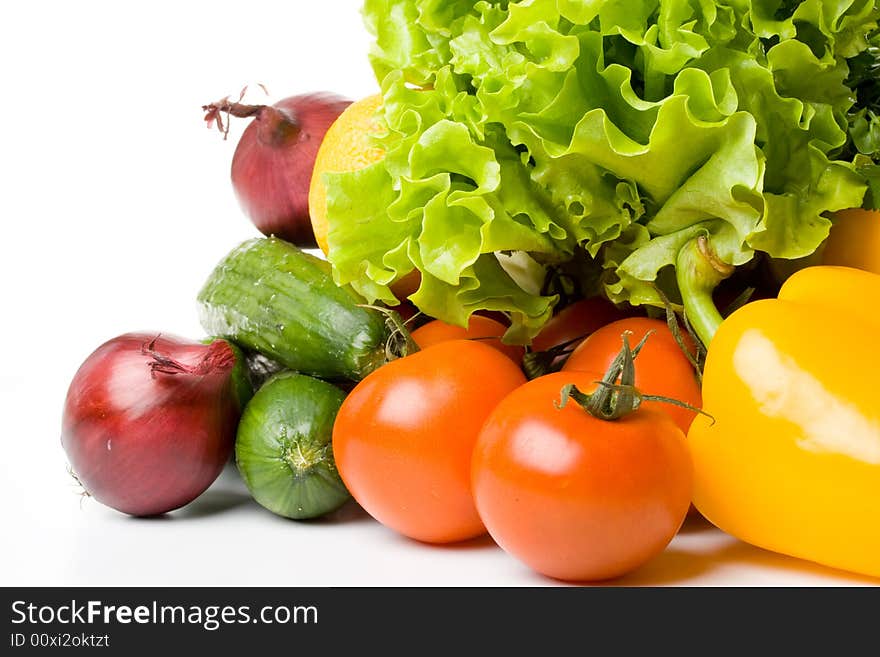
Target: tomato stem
613,400
698,271
639,397
400,342
697,358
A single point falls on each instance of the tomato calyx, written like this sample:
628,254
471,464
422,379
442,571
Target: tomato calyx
399,341
611,400
697,357
616,395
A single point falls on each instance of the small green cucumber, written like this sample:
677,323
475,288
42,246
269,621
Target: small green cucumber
269,296
284,448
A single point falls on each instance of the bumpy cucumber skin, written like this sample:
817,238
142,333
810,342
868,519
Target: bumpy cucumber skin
284,450
271,297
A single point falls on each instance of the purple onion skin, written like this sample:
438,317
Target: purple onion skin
273,162
149,421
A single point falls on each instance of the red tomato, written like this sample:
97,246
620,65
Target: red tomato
661,367
575,497
403,437
578,319
438,331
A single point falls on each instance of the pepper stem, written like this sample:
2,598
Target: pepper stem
698,272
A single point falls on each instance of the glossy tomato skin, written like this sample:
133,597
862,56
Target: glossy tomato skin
479,327
661,367
578,319
574,497
404,436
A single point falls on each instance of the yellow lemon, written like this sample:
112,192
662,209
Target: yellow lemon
347,146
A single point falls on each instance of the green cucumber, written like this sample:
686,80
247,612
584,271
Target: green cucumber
260,368
284,450
271,297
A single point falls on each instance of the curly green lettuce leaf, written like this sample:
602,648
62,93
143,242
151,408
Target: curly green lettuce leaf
871,173
611,132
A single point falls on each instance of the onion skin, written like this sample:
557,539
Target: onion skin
149,421
273,162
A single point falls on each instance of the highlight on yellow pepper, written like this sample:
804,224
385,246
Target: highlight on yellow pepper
791,462
854,240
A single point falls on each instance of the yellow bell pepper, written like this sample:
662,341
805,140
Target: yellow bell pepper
792,461
854,240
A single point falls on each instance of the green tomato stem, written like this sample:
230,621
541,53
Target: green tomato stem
698,272
611,401
398,342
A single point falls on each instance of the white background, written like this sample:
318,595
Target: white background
115,205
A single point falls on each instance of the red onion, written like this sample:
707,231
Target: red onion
149,421
273,162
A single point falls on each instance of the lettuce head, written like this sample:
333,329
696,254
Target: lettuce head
601,136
